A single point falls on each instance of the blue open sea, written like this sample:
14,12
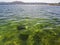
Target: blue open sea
18,12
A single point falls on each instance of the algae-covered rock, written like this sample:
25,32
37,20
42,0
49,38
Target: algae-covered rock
23,37
21,27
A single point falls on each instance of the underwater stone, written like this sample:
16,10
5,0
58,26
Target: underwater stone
23,37
21,27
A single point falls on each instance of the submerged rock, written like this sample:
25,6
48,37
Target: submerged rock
23,37
21,27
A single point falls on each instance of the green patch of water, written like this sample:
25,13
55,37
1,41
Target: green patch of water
30,32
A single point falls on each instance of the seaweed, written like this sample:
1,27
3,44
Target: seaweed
30,32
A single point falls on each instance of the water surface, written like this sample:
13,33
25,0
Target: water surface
17,12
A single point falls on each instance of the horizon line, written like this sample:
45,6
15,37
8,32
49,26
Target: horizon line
27,2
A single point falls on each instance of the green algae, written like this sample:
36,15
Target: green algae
30,32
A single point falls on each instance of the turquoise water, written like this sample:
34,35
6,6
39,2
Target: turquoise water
18,12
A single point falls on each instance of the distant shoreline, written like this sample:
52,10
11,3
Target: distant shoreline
31,3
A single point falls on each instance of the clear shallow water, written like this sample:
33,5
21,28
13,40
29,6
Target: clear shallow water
29,31
17,12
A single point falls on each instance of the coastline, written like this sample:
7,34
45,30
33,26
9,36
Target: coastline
30,3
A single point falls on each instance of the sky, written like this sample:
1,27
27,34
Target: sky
48,1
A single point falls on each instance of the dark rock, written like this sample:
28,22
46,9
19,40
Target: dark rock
23,37
21,27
